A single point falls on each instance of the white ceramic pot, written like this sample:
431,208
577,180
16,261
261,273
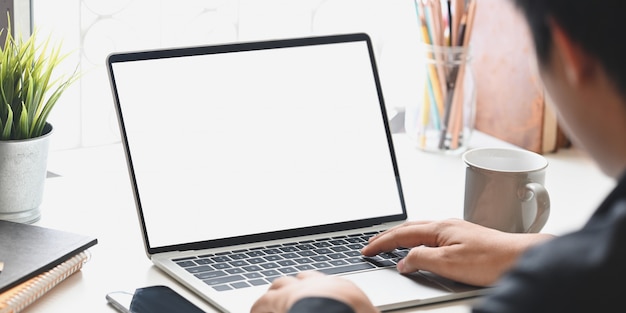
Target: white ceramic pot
23,166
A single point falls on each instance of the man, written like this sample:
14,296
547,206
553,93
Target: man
582,63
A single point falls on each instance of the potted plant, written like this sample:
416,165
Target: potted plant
28,92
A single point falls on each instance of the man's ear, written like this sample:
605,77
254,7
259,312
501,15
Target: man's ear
576,63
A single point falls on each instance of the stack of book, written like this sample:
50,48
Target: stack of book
35,259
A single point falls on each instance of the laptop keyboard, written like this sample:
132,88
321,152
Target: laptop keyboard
260,266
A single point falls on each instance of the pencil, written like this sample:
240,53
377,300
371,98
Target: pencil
451,86
450,27
459,9
471,14
465,29
432,73
457,116
432,17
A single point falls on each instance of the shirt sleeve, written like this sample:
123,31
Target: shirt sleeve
318,304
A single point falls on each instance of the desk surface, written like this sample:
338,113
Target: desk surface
92,195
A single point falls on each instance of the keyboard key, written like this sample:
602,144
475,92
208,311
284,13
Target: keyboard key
273,258
235,271
353,253
286,263
256,260
322,244
271,273
199,269
305,267
238,256
272,251
239,285
337,256
339,248
255,253
289,249
186,263
322,265
320,258
355,260
290,255
253,268
253,275
219,259
203,261
306,247
268,266
212,274
223,280
258,282
339,242
388,255
306,253
323,251
288,270
221,266
355,246
222,288
303,260
239,263
338,262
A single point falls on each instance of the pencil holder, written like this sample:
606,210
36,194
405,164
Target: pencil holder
443,118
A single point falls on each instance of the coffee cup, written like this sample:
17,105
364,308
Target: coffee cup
504,189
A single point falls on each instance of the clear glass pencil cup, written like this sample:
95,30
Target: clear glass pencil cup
442,120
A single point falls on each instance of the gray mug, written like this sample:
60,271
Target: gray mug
504,189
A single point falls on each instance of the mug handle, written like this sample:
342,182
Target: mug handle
539,195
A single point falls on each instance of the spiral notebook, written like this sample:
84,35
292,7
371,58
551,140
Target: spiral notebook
35,259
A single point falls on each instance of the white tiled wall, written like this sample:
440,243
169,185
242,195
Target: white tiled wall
91,29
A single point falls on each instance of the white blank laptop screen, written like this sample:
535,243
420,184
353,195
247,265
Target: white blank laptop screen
231,144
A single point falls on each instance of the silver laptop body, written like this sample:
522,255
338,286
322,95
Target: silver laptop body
259,148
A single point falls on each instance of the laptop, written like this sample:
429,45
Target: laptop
253,160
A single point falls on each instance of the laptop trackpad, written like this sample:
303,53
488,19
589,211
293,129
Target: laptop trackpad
388,289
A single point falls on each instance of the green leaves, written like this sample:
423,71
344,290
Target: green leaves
27,89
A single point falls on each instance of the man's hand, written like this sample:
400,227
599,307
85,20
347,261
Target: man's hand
455,249
286,291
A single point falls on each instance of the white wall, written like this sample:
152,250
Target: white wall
91,29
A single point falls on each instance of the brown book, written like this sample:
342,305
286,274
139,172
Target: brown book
511,102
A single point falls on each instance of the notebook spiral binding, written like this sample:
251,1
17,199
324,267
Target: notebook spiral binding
21,296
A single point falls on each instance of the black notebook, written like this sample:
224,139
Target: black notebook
29,250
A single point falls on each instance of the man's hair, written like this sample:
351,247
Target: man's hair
597,26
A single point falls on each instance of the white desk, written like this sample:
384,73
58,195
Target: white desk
93,196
